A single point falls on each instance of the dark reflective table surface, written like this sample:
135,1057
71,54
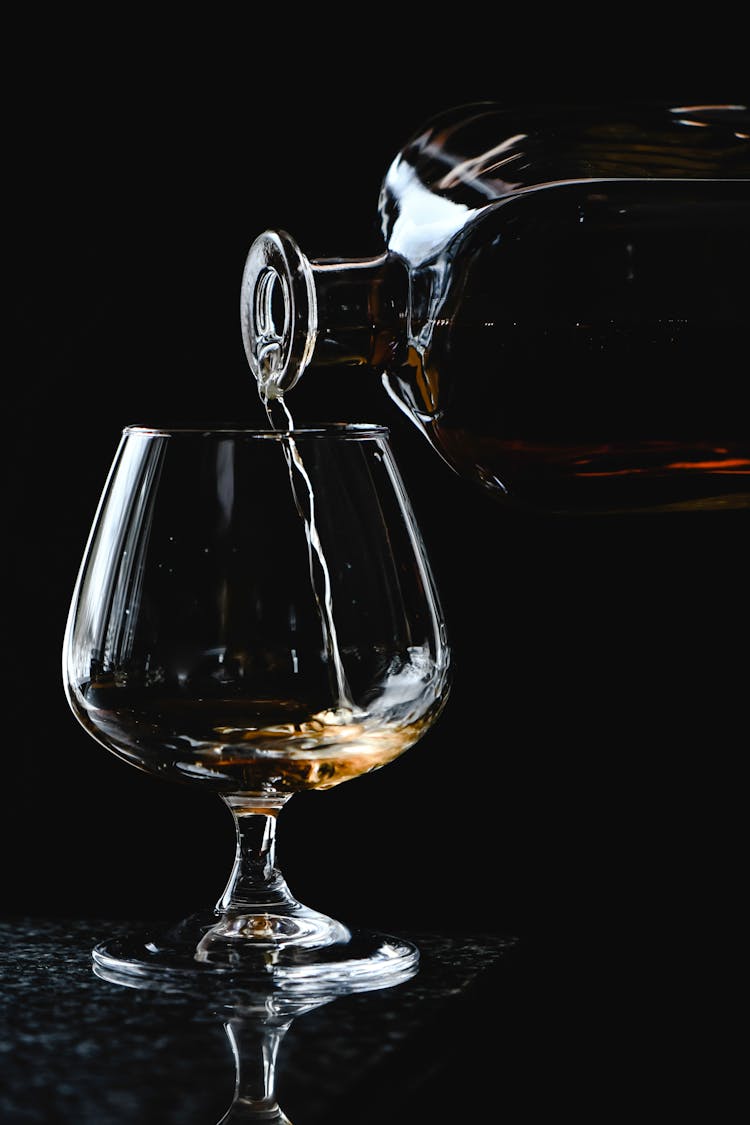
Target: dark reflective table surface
76,1048
601,1021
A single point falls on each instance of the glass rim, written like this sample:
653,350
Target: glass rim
340,430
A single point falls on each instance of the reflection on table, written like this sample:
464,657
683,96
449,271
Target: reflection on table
83,1049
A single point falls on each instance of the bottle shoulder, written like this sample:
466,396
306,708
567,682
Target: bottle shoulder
485,150
472,158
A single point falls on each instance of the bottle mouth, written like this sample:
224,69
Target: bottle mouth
278,312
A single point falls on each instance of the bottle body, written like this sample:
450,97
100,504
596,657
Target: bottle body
575,343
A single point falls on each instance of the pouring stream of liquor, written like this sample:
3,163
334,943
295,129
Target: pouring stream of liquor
323,597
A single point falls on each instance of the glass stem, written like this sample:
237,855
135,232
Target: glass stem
255,884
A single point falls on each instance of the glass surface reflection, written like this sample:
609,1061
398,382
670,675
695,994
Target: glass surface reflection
378,1054
255,1022
79,1047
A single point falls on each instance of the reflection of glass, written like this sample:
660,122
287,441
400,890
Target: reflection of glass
255,1048
255,1023
255,613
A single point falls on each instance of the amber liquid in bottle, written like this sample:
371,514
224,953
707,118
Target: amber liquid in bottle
613,373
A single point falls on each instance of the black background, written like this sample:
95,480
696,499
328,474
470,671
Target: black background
582,788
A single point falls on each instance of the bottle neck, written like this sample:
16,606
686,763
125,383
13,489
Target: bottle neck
296,312
361,308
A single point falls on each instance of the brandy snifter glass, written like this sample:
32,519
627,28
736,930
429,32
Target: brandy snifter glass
256,614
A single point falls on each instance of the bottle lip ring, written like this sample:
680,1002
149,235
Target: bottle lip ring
336,431
278,312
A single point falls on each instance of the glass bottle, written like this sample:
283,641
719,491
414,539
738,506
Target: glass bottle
561,305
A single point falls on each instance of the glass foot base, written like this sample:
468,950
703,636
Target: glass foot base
257,954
